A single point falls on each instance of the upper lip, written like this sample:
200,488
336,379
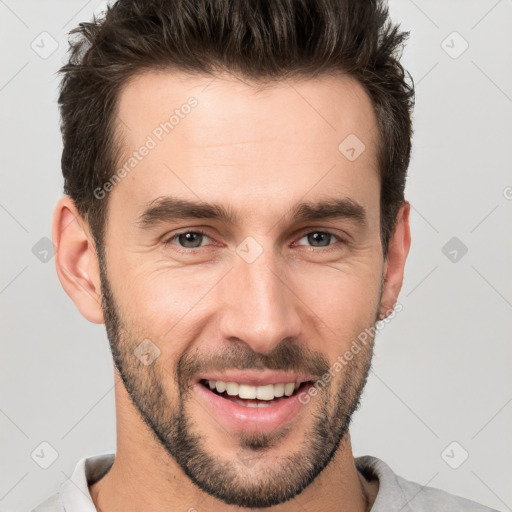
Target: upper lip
255,377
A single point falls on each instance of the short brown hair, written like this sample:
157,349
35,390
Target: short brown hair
268,40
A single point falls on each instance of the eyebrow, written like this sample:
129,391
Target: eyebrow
169,208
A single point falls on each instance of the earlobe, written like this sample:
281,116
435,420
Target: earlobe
76,261
398,250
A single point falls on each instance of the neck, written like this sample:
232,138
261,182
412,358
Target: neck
145,477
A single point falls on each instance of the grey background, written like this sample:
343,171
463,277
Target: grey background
442,366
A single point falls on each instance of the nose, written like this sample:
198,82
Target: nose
260,305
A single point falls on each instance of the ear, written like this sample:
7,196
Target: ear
399,245
76,260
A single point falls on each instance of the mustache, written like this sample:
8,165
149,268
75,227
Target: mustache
289,355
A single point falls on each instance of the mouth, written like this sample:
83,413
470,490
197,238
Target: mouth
248,395
243,406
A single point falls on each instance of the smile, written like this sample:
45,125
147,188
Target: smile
249,407
267,392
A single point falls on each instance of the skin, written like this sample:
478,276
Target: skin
259,153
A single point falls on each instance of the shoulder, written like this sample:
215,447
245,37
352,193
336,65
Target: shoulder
411,496
51,504
74,493
424,498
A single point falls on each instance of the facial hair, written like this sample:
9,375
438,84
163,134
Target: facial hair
249,479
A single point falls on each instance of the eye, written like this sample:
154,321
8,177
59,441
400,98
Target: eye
319,238
188,239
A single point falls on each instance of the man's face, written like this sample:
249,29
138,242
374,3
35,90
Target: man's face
266,297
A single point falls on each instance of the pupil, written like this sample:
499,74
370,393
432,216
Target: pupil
190,238
313,238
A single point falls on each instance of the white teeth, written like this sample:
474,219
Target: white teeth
220,386
246,391
253,404
289,389
232,388
266,392
278,390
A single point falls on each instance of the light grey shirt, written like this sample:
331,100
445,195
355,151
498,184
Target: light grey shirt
396,494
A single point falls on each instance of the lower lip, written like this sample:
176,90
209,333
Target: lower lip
235,416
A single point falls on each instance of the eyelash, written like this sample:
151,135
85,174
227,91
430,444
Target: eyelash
186,250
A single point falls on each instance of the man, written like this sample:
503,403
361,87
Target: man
235,215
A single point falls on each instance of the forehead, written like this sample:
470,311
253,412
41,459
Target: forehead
209,137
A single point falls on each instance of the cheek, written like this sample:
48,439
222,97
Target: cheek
343,301
171,305
161,303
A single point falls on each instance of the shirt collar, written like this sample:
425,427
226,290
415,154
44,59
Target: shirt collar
390,496
74,492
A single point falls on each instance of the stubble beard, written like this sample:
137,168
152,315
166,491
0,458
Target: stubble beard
249,479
